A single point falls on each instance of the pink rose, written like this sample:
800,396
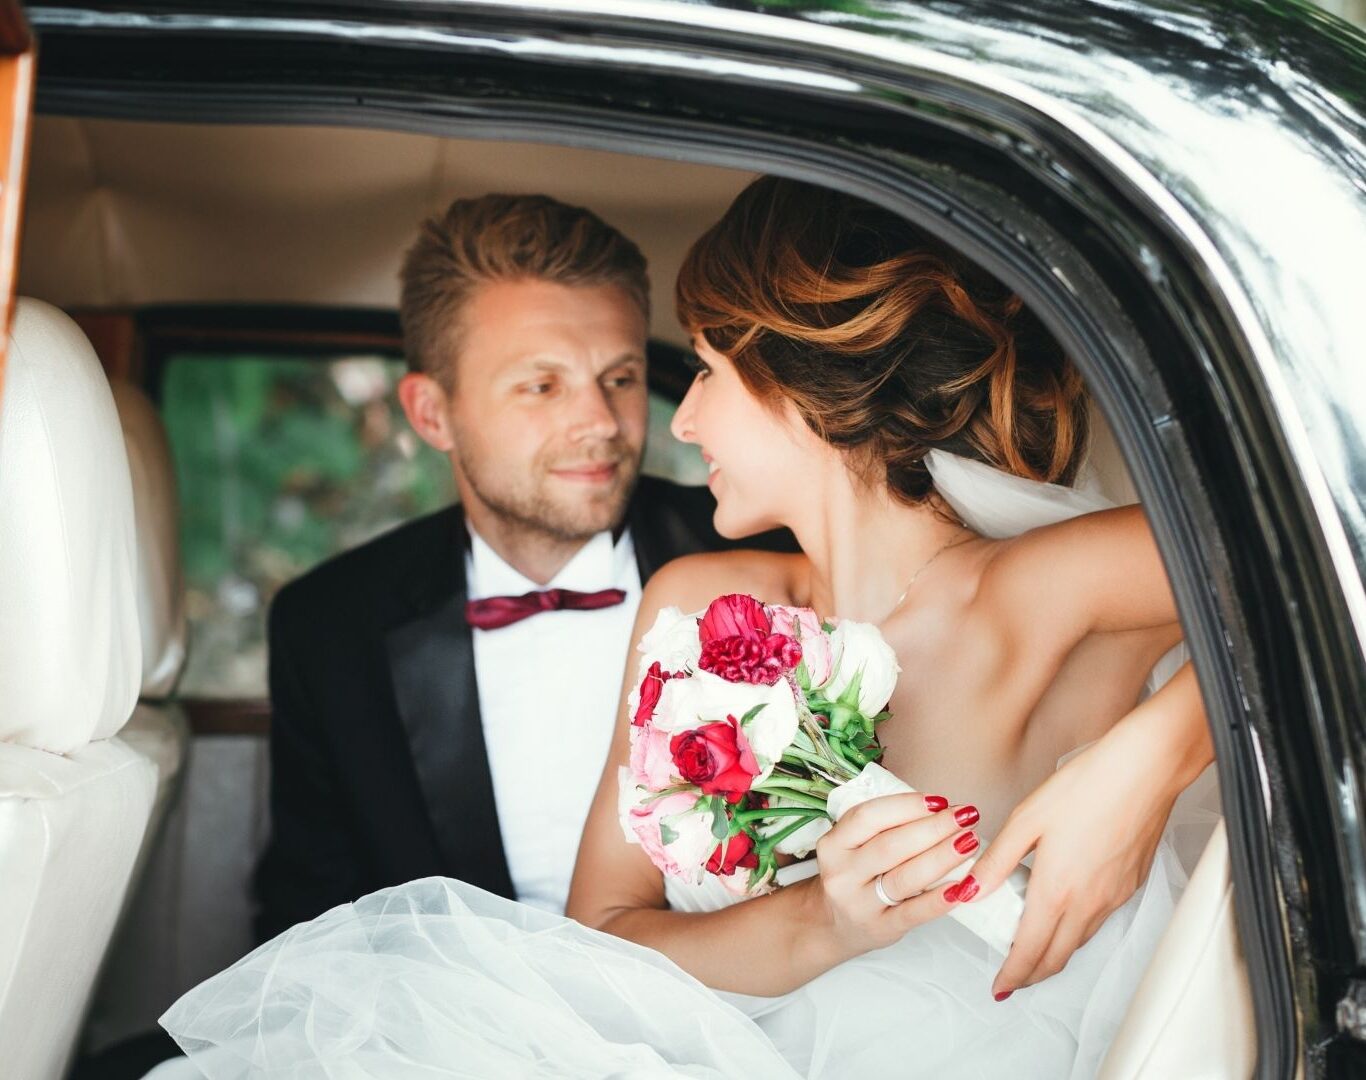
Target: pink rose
751,660
734,615
717,758
804,625
652,763
688,833
650,689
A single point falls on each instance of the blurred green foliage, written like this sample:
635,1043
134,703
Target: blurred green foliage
281,462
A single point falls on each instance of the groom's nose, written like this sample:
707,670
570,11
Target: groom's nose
593,415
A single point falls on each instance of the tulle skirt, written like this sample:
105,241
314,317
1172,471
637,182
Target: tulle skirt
437,978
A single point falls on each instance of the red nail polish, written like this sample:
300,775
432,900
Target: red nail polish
1003,995
965,843
961,891
966,815
935,803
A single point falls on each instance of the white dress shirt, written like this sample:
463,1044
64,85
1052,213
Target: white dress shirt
549,689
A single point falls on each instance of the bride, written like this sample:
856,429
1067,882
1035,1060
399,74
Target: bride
846,365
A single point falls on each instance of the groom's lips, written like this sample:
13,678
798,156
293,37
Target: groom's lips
593,473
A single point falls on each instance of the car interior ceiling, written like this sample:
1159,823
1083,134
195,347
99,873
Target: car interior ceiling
127,217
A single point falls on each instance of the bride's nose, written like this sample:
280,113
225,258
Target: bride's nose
682,423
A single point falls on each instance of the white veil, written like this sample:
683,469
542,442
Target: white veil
997,504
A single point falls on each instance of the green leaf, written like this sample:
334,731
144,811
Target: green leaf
842,717
720,827
667,835
803,677
753,713
850,696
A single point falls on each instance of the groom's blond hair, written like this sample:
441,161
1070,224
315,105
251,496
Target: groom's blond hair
503,238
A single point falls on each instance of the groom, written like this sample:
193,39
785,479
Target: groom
443,697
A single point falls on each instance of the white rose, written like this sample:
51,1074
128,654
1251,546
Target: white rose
672,641
773,728
706,698
860,647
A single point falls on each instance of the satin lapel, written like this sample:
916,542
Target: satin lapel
431,661
651,549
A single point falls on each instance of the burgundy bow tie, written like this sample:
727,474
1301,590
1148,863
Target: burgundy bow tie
494,612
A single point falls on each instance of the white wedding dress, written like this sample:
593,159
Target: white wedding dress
436,978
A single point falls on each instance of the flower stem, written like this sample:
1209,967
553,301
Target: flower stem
744,817
784,782
768,845
798,798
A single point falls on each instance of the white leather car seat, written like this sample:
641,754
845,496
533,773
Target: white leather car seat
75,798
133,989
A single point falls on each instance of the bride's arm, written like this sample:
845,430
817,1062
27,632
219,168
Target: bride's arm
1094,826
772,944
1097,573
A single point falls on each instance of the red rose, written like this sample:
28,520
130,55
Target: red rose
734,615
737,851
717,758
749,660
651,687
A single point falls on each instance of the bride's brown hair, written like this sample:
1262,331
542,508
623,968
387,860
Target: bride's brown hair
889,343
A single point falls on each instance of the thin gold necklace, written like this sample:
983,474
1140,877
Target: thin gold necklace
952,541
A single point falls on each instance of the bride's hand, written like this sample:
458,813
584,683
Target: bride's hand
1094,827
910,840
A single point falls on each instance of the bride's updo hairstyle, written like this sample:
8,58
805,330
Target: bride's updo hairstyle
889,343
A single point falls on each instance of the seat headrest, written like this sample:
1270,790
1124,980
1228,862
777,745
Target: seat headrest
161,587
70,647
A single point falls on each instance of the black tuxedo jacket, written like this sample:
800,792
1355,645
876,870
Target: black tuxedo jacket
379,773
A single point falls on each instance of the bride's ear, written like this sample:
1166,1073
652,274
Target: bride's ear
427,407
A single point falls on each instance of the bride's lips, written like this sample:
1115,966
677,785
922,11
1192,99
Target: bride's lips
590,473
712,468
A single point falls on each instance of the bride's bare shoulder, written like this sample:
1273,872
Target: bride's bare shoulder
691,582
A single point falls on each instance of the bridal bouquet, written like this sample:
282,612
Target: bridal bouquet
753,727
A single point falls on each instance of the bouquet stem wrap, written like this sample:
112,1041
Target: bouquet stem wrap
993,918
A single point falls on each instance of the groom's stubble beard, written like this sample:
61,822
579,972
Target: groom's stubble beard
528,502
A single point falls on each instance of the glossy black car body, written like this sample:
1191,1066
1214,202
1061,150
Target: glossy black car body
1179,188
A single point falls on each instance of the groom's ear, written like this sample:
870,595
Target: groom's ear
427,407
